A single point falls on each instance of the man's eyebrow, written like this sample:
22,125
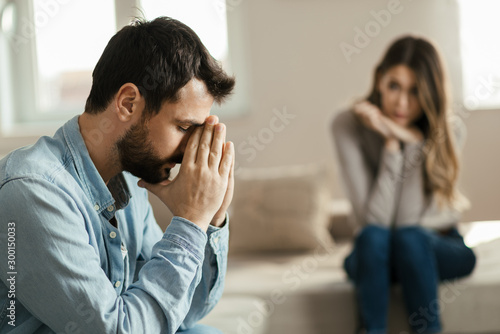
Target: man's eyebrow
190,122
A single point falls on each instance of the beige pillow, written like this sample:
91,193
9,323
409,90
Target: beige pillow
280,209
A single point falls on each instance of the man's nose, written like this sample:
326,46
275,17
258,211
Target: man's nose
183,145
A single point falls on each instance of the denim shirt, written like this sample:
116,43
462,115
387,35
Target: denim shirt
72,271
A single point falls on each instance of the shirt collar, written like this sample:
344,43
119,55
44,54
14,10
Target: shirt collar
92,182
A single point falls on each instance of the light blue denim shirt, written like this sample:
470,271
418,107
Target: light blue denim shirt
72,271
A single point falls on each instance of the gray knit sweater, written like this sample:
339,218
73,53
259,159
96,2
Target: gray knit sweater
386,188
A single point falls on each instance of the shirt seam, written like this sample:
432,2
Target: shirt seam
184,244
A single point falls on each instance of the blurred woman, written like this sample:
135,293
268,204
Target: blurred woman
399,161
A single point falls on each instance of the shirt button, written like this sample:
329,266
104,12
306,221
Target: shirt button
111,208
112,235
96,207
216,239
117,284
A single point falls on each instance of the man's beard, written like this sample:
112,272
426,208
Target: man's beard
137,156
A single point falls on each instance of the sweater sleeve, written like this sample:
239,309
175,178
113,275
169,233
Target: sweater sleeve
381,205
372,194
412,199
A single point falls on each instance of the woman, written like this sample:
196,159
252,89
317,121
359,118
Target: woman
399,161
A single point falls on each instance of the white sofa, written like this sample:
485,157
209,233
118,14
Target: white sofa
319,299
283,278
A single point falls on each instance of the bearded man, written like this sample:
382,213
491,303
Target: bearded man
89,255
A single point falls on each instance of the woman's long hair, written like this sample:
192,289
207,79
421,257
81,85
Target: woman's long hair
441,164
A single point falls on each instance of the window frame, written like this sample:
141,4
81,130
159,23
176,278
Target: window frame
18,130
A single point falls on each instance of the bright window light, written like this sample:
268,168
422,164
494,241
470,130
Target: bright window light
481,232
480,47
7,18
55,45
70,38
206,17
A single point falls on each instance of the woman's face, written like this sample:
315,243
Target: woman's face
398,91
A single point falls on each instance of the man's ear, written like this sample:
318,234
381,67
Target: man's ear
129,102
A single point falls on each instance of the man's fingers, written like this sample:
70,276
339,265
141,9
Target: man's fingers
231,174
227,159
206,140
216,152
192,146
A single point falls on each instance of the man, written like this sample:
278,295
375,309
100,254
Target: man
80,249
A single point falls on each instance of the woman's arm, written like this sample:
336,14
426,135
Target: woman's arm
412,199
372,195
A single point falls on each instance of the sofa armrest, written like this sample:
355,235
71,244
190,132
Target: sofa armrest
341,227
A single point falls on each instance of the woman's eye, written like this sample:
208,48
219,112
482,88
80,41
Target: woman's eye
184,130
393,86
414,91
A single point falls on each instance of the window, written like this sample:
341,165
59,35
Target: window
48,49
206,21
67,49
480,53
209,20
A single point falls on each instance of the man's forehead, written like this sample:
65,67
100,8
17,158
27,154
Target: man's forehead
193,88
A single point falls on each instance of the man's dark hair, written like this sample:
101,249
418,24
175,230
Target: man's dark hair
159,57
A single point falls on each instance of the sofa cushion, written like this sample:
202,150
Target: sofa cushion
280,209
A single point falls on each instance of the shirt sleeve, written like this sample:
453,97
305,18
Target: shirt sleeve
59,277
209,290
211,284
152,233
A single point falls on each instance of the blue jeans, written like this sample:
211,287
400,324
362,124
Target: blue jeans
412,256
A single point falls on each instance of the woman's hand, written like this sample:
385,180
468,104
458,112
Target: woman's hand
410,134
373,118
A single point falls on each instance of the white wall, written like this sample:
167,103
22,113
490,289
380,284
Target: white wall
296,63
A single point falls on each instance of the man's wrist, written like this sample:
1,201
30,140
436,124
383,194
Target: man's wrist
201,222
218,221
